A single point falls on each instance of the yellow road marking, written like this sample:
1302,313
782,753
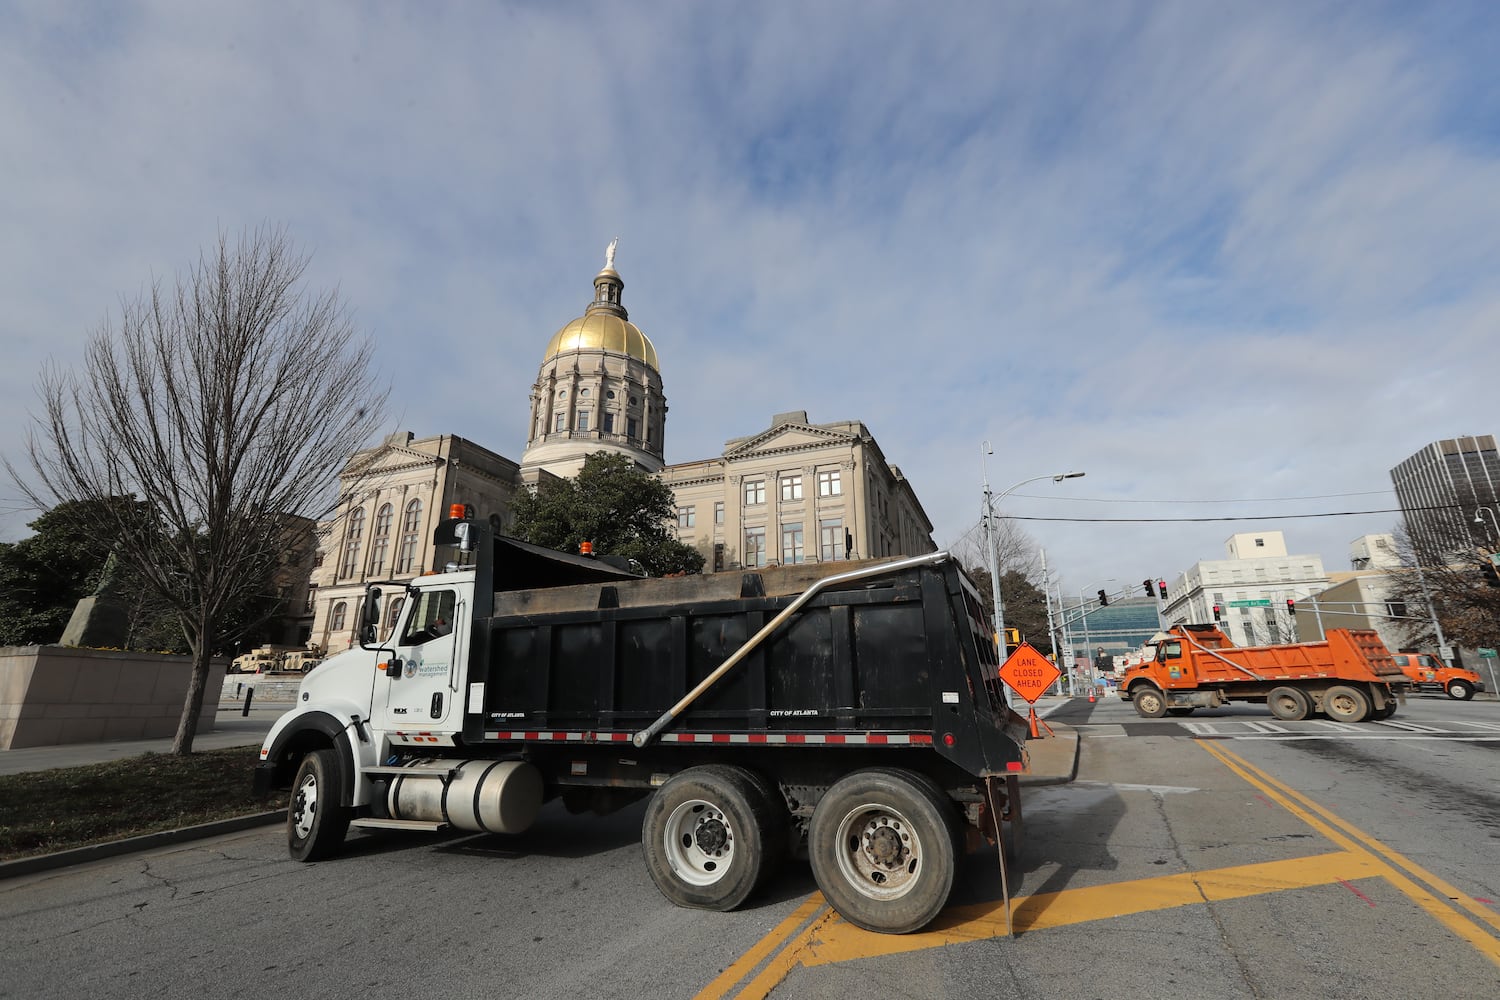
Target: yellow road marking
828,939
840,941
747,962
1440,905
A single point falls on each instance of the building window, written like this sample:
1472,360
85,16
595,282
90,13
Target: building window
352,540
583,420
312,597
719,512
559,422
609,423
755,546
380,539
411,529
610,394
830,538
392,614
687,517
791,488
1396,609
631,427
755,492
337,616
791,543
830,483
1260,543
583,392
718,557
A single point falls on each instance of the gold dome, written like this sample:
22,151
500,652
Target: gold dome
599,330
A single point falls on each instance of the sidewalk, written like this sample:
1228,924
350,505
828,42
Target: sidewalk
230,730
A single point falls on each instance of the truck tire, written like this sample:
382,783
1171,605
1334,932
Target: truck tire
1460,689
884,846
315,822
1184,710
1149,702
710,837
1343,703
1289,704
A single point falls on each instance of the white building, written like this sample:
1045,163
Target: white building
1250,589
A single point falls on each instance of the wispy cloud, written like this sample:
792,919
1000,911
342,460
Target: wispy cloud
1199,253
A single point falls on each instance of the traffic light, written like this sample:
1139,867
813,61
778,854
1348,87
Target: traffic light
1150,588
1218,613
1103,599
1291,606
1161,585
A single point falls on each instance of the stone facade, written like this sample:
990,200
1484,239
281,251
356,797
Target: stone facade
797,492
394,496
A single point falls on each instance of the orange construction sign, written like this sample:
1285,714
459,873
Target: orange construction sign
1029,673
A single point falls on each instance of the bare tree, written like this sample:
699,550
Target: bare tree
225,402
1450,585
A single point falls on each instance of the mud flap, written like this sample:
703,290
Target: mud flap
1012,798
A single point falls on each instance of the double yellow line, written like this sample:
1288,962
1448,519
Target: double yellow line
812,935
1455,910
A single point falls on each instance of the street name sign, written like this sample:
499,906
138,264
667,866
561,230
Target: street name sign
1262,603
1029,673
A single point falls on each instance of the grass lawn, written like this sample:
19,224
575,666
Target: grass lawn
47,811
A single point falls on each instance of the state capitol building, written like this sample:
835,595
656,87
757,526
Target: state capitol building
794,492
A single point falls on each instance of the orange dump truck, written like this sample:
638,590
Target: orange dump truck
1350,676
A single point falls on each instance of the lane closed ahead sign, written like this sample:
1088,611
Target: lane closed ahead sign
1029,673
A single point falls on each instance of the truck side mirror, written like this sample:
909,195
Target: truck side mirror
369,616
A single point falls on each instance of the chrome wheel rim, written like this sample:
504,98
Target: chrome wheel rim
879,851
699,842
307,806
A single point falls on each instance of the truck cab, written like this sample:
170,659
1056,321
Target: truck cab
1428,673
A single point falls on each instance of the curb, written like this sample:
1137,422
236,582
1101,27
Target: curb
146,841
1063,734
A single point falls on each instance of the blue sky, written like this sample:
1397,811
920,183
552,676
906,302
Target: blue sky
1204,252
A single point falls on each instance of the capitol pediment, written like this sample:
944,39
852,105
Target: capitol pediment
785,438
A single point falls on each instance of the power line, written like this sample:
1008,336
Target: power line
1241,517
1321,496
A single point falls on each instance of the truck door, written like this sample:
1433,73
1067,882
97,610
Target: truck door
420,695
1176,670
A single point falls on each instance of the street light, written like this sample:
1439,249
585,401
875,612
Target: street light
1491,513
989,525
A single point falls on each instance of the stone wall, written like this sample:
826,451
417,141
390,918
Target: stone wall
51,695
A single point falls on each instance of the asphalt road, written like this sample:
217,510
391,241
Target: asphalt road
1209,857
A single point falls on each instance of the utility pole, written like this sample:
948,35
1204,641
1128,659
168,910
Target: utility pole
1051,625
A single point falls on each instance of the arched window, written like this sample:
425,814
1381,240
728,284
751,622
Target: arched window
411,528
352,539
337,616
393,613
380,540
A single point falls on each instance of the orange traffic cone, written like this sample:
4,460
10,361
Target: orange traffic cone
1091,693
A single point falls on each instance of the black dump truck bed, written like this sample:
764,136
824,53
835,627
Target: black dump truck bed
898,659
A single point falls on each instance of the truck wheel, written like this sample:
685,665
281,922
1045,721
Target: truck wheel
1150,703
1289,704
1384,712
1460,690
883,846
315,822
1346,704
708,837
1184,710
